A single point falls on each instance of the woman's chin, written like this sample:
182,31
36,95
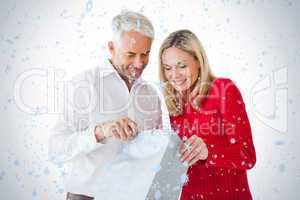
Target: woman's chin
181,88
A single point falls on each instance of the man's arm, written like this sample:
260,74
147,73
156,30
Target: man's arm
67,142
74,131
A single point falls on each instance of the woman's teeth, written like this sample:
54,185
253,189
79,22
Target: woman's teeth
178,82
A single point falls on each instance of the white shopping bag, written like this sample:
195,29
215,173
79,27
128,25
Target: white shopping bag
141,170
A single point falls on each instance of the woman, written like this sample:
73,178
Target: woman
209,115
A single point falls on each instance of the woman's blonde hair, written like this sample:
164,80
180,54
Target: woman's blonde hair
187,41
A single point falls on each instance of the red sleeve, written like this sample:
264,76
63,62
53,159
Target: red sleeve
239,152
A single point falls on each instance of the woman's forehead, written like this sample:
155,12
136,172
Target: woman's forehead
175,56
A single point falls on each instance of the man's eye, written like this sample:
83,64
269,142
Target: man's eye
145,54
130,55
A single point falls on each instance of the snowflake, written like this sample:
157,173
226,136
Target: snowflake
232,141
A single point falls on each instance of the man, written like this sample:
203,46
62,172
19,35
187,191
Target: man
106,106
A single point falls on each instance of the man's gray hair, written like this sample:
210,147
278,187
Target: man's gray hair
131,21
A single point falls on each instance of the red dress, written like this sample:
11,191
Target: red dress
223,124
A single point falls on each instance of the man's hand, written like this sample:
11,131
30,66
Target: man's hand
123,129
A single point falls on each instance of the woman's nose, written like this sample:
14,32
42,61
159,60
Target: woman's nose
175,74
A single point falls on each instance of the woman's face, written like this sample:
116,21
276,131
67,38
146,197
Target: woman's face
181,68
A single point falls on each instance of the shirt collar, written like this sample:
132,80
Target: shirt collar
108,69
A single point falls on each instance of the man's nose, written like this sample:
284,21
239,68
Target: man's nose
139,62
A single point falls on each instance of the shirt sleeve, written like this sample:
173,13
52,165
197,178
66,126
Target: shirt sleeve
67,142
73,132
239,152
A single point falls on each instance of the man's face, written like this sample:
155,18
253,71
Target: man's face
130,56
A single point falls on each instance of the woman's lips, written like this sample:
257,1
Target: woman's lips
179,82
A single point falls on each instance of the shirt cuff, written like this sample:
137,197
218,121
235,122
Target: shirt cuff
89,140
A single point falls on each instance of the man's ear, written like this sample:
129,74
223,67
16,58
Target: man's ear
111,47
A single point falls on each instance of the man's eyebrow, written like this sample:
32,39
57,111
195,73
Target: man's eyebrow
146,52
130,52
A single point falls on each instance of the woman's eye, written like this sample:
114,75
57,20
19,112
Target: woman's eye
182,66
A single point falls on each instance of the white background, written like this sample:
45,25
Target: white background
255,43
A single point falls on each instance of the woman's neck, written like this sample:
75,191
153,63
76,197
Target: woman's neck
185,95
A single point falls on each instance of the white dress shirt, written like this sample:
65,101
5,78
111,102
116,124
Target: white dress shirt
92,97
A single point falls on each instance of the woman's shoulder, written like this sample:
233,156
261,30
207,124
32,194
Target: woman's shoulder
224,84
221,81
222,87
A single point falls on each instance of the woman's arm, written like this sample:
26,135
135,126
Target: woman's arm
239,153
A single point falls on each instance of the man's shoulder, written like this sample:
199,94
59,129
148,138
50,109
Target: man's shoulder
93,73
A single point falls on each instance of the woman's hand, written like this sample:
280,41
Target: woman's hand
193,149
